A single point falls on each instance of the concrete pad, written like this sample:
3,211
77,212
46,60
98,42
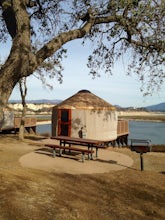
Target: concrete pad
107,161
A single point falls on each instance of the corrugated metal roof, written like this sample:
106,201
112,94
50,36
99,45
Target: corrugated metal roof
84,99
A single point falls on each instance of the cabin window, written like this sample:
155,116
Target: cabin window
64,116
64,122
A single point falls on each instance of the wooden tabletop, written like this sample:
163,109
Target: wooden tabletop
78,140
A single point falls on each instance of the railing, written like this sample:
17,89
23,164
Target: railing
122,127
29,122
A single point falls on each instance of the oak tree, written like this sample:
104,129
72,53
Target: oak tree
116,28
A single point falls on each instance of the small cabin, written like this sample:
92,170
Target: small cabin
11,123
85,115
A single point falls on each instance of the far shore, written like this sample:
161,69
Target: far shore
124,118
142,116
43,122
145,119
126,115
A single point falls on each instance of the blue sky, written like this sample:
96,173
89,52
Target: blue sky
117,89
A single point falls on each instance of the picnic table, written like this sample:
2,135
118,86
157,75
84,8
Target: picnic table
89,143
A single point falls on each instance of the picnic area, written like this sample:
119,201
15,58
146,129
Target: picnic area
35,185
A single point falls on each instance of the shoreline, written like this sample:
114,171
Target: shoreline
143,120
43,122
142,116
130,119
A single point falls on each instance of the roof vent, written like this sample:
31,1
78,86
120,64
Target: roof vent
84,91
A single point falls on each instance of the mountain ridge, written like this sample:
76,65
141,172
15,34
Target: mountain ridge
159,107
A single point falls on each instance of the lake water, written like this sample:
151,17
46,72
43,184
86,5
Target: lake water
154,131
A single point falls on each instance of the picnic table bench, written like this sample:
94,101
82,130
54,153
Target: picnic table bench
90,143
63,148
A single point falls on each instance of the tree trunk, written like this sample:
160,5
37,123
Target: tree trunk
22,124
22,62
17,63
8,78
23,91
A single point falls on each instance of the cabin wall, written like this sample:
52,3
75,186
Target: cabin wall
102,125
78,123
94,124
8,120
55,122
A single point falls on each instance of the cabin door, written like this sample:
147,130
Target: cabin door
64,122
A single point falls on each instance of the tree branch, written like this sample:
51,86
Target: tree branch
52,46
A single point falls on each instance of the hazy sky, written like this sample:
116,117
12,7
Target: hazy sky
118,89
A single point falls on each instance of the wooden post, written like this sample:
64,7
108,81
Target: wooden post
54,152
141,161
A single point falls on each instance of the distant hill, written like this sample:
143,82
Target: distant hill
159,107
38,101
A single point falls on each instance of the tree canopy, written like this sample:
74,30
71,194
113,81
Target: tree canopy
116,28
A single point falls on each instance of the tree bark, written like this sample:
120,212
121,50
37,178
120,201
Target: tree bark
17,63
23,91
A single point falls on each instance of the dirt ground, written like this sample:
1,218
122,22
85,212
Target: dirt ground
124,194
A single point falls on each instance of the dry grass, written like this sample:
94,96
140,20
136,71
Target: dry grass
158,148
144,117
32,194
